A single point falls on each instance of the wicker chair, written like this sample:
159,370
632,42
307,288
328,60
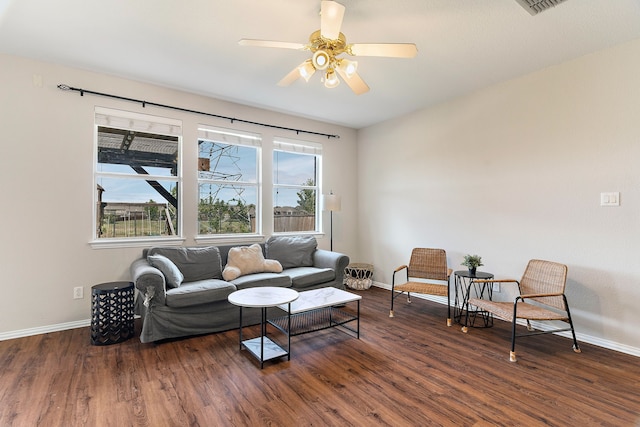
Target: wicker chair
428,264
543,283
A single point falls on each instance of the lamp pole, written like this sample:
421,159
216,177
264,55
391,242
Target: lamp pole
331,203
331,230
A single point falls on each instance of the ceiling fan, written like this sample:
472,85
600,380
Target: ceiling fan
326,44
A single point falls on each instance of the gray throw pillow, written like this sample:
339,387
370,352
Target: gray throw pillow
196,263
292,251
172,274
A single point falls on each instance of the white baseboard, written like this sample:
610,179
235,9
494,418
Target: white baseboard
600,342
44,329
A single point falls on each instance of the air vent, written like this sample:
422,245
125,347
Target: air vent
537,6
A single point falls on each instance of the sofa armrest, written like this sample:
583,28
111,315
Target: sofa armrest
335,260
149,281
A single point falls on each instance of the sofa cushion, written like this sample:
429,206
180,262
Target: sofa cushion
195,263
262,279
199,292
302,277
292,251
243,260
173,276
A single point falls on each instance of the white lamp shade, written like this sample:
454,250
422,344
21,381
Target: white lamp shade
348,67
306,70
331,79
331,202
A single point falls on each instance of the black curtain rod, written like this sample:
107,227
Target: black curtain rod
232,119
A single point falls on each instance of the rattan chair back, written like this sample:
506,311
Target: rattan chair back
545,277
427,263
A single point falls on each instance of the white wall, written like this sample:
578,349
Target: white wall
515,172
46,168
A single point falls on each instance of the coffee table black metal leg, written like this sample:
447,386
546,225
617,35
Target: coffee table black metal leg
358,321
240,328
263,328
289,332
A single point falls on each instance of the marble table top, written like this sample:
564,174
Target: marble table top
265,296
320,298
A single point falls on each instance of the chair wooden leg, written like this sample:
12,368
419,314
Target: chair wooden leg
529,327
576,347
408,298
512,354
448,305
392,298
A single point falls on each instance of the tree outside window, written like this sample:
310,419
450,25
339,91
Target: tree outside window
295,189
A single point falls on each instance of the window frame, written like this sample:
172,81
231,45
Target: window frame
144,123
238,138
300,147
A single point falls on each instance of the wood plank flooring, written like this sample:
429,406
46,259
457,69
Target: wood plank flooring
411,370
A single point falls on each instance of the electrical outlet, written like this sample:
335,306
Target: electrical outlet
78,292
496,287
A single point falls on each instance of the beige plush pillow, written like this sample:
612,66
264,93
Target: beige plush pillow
244,260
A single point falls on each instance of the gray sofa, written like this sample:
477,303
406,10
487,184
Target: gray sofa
187,295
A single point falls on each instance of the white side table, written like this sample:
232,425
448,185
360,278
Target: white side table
262,347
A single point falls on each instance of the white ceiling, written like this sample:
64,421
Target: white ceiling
463,46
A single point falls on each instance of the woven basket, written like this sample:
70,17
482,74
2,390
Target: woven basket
358,276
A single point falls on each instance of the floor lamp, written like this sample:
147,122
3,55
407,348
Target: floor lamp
331,203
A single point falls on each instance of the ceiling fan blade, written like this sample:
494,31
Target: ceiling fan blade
355,82
291,77
393,50
271,43
331,14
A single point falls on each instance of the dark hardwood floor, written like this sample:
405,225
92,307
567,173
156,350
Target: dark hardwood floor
409,370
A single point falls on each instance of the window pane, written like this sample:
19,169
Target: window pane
136,208
227,209
294,210
219,161
136,153
293,168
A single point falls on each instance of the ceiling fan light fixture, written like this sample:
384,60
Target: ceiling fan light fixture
320,59
306,70
348,67
327,44
331,79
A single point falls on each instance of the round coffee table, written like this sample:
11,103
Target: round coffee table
262,347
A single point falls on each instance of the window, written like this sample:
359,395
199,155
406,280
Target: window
228,181
137,175
296,166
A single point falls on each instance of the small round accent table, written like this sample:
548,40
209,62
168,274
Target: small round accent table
262,347
466,284
358,276
112,312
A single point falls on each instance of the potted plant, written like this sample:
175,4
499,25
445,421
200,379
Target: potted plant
472,262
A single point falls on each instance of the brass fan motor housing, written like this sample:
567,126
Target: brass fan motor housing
335,47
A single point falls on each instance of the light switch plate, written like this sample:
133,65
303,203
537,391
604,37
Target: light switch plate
610,199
